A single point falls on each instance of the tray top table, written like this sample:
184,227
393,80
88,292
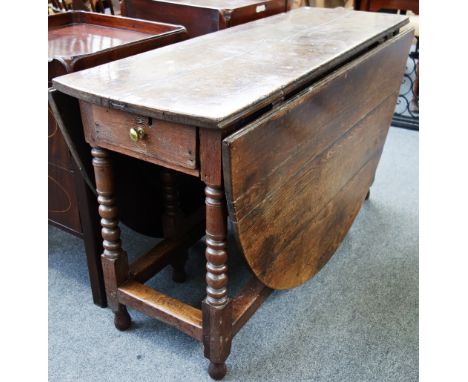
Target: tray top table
283,119
203,16
73,40
79,40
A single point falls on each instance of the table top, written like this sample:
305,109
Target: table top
216,4
215,80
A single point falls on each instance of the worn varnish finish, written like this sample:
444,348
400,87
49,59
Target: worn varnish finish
203,16
232,60
306,151
290,115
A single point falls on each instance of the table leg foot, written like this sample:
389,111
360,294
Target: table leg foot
122,320
217,371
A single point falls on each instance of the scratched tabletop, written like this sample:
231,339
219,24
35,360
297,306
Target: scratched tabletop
216,79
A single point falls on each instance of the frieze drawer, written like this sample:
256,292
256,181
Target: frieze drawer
153,140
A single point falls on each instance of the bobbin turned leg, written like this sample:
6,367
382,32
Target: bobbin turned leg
172,221
114,258
217,312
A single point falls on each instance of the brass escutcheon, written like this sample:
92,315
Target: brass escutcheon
136,133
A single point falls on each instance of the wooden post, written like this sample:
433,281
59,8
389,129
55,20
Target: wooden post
216,308
217,311
114,258
172,221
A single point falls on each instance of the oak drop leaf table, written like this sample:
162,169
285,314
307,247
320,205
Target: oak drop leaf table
283,119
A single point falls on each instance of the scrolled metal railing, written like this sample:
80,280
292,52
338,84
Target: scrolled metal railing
406,113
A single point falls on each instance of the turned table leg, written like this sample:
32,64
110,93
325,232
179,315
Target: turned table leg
114,258
216,308
172,221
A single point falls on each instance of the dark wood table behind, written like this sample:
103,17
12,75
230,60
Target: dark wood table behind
80,40
377,5
203,16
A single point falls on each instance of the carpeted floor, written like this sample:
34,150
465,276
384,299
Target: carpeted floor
356,321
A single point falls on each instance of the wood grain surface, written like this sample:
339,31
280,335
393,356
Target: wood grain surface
243,68
164,142
165,308
203,16
295,179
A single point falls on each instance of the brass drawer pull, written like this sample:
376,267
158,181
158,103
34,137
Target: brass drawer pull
137,133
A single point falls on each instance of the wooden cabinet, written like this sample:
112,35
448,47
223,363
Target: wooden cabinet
203,16
80,40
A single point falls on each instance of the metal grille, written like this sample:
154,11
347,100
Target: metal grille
406,113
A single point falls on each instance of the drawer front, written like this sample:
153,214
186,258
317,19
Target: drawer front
164,143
